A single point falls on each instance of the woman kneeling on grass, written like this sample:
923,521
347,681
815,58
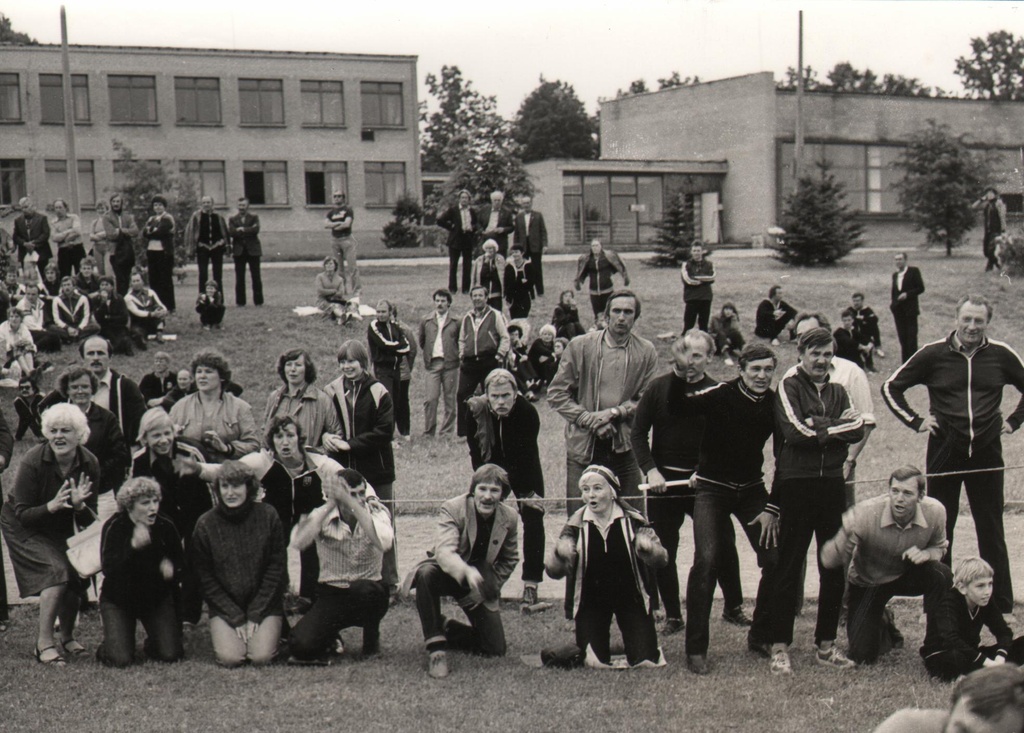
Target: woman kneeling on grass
142,559
606,549
239,555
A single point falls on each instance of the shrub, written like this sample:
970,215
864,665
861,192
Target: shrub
820,226
1010,251
404,230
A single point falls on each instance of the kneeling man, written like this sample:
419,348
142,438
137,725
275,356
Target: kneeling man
475,551
352,531
896,542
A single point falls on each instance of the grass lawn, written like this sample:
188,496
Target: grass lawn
392,692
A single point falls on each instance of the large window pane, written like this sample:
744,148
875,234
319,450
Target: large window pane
322,103
51,97
385,182
595,198
382,104
10,97
572,216
623,220
265,182
650,196
209,178
197,100
56,172
323,179
261,101
12,181
132,98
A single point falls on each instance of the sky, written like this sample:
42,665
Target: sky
597,46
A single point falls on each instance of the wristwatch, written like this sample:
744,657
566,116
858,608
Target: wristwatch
616,413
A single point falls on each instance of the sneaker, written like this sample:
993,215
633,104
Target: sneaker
673,626
529,595
697,663
834,657
438,666
775,342
760,648
338,648
736,616
780,663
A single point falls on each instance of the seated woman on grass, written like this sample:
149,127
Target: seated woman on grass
330,293
146,309
605,549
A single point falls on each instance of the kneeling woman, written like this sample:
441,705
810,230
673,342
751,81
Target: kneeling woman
238,552
142,558
604,548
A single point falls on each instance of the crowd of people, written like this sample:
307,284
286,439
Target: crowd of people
200,499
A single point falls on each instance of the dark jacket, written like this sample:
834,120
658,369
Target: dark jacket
153,387
244,230
764,318
132,578
449,339
536,238
678,430
506,225
122,243
387,344
913,286
126,402
38,480
510,442
955,630
183,498
34,230
518,284
368,430
458,238
108,445
160,228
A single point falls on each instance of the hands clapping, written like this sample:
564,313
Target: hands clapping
71,495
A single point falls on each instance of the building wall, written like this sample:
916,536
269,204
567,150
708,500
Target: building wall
290,229
732,119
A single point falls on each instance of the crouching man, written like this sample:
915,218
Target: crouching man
475,551
896,542
352,531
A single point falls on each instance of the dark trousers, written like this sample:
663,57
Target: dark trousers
472,373
69,259
163,633
453,267
533,541
864,621
810,507
906,332
519,306
403,414
697,312
388,376
985,496
191,592
667,513
122,274
253,261
389,568
598,302
485,635
713,536
309,573
950,664
27,420
45,341
593,627
206,257
4,611
534,258
161,276
363,603
211,315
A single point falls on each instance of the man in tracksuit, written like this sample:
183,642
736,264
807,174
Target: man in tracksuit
965,374
815,426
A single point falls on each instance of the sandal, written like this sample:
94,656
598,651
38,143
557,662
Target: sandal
73,647
56,660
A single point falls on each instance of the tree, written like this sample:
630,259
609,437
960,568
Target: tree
638,86
553,123
9,35
995,69
675,233
460,107
844,77
674,80
792,77
403,231
942,178
143,180
820,226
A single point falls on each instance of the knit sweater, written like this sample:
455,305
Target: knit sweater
677,431
131,577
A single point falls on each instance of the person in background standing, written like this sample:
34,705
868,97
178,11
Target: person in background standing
463,225
532,235
32,235
697,274
387,347
98,237
206,235
907,286
598,266
497,221
158,234
439,344
488,269
244,230
993,212
121,231
343,244
66,233
403,413
483,344
519,284
865,330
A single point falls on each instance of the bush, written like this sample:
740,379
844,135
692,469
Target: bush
404,230
820,226
1010,251
675,233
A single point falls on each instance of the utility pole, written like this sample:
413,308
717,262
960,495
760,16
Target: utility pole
798,153
69,116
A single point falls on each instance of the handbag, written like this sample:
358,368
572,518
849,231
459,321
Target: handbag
84,548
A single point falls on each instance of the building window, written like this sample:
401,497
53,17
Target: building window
265,182
382,104
121,171
323,179
209,178
322,104
12,181
57,182
197,100
132,98
262,101
51,98
385,182
10,98
866,172
615,209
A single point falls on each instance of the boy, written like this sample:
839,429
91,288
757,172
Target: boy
952,647
87,282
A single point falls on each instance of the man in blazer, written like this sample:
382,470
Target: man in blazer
244,230
907,285
207,235
476,551
497,221
463,226
32,234
439,343
532,233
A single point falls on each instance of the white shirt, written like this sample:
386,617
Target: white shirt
102,396
467,223
438,350
492,223
899,278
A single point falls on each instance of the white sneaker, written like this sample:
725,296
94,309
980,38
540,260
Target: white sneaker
438,664
729,362
834,658
779,664
775,342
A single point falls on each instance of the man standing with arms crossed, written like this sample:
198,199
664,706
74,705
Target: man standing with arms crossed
246,249
343,245
121,231
207,236
965,374
532,234
497,222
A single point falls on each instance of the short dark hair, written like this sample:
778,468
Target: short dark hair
847,313
74,373
808,315
515,327
352,350
475,288
991,690
756,352
858,295
905,473
813,338
989,188
277,424
351,477
621,293
158,200
237,473
293,355
444,293
773,290
214,360
243,198
517,248
109,279
491,473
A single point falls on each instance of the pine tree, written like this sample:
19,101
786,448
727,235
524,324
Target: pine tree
820,226
675,234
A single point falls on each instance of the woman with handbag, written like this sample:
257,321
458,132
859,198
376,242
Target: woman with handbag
141,556
52,496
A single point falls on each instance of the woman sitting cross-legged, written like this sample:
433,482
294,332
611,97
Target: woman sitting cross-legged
605,549
141,555
239,555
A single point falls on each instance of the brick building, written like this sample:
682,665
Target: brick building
283,128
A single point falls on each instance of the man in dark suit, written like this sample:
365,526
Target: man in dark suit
532,233
244,230
463,227
32,234
498,222
907,285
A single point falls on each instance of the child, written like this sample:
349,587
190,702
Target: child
517,361
952,644
87,282
210,306
146,310
26,405
184,386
